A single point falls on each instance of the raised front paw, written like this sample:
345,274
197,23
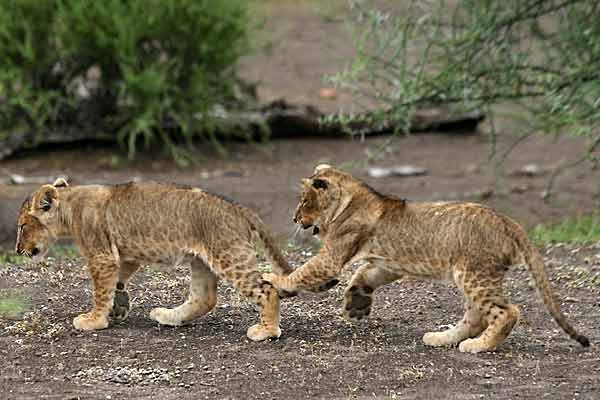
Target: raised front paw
90,322
284,294
273,279
357,303
325,286
277,283
121,306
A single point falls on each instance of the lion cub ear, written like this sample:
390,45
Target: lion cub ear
48,197
61,181
322,167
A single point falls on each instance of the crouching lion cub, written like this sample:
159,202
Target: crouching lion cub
465,243
118,228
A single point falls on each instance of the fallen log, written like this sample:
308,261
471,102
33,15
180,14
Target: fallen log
277,119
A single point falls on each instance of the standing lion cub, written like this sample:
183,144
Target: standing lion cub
465,243
118,228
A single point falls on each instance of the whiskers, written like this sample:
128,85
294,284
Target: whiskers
300,237
297,232
26,253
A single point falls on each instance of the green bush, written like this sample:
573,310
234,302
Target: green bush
132,68
582,229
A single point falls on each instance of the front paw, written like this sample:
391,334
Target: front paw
357,303
121,306
90,322
284,294
325,286
259,332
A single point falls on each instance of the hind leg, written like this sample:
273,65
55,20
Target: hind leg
501,319
238,266
358,297
202,297
121,305
267,299
470,326
499,316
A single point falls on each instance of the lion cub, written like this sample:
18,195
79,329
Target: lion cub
118,228
465,243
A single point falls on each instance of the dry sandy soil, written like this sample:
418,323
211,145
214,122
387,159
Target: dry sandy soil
319,355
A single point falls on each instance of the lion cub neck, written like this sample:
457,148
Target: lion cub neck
360,206
74,199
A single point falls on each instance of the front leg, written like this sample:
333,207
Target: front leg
318,272
283,294
104,273
358,298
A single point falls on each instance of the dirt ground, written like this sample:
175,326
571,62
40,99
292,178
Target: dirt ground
319,355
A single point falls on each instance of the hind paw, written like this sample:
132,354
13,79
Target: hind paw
357,303
165,316
478,345
437,339
121,306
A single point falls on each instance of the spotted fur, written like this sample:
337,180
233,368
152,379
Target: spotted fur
467,244
119,228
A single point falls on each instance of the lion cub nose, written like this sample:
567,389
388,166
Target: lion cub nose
295,220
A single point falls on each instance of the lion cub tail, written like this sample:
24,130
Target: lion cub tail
535,263
272,252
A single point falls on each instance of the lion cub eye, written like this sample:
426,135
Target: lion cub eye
45,206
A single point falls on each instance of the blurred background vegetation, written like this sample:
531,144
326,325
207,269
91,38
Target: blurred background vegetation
141,71
535,62
154,72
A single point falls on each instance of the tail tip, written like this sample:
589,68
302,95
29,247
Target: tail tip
584,341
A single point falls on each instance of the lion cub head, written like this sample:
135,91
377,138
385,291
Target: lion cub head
325,195
37,221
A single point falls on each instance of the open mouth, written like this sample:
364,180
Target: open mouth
35,254
315,228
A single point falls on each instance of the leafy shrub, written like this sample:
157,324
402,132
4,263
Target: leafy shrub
541,56
130,67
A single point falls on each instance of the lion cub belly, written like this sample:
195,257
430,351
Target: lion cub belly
435,270
160,257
